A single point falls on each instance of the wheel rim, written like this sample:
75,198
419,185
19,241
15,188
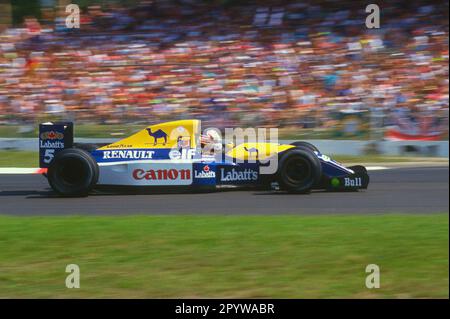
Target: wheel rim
297,171
72,172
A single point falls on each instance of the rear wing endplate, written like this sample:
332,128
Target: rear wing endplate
53,138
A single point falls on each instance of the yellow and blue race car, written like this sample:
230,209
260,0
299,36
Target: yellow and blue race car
170,156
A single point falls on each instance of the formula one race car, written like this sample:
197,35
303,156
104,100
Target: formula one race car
170,156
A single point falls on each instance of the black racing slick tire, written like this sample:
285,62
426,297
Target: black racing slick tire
299,170
88,147
73,172
306,145
358,169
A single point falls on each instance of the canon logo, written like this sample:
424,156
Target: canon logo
162,174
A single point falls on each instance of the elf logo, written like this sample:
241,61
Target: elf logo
184,154
353,182
234,175
205,173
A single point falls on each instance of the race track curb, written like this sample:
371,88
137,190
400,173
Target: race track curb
21,170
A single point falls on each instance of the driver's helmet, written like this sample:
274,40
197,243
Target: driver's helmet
212,140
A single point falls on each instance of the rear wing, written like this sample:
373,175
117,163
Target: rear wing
53,138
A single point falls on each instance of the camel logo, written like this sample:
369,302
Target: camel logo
205,173
52,135
157,135
252,150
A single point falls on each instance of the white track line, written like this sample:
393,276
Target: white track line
376,168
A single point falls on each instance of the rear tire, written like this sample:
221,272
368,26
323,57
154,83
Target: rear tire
73,172
299,170
306,145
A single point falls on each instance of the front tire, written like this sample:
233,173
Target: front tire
306,145
299,170
73,172
359,169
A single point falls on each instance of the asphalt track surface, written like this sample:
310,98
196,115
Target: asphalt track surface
403,190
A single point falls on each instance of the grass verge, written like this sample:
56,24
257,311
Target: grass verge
19,159
225,256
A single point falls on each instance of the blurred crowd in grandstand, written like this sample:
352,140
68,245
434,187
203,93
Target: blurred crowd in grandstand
262,63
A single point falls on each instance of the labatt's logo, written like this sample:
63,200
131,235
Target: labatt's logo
205,173
51,139
234,175
162,174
